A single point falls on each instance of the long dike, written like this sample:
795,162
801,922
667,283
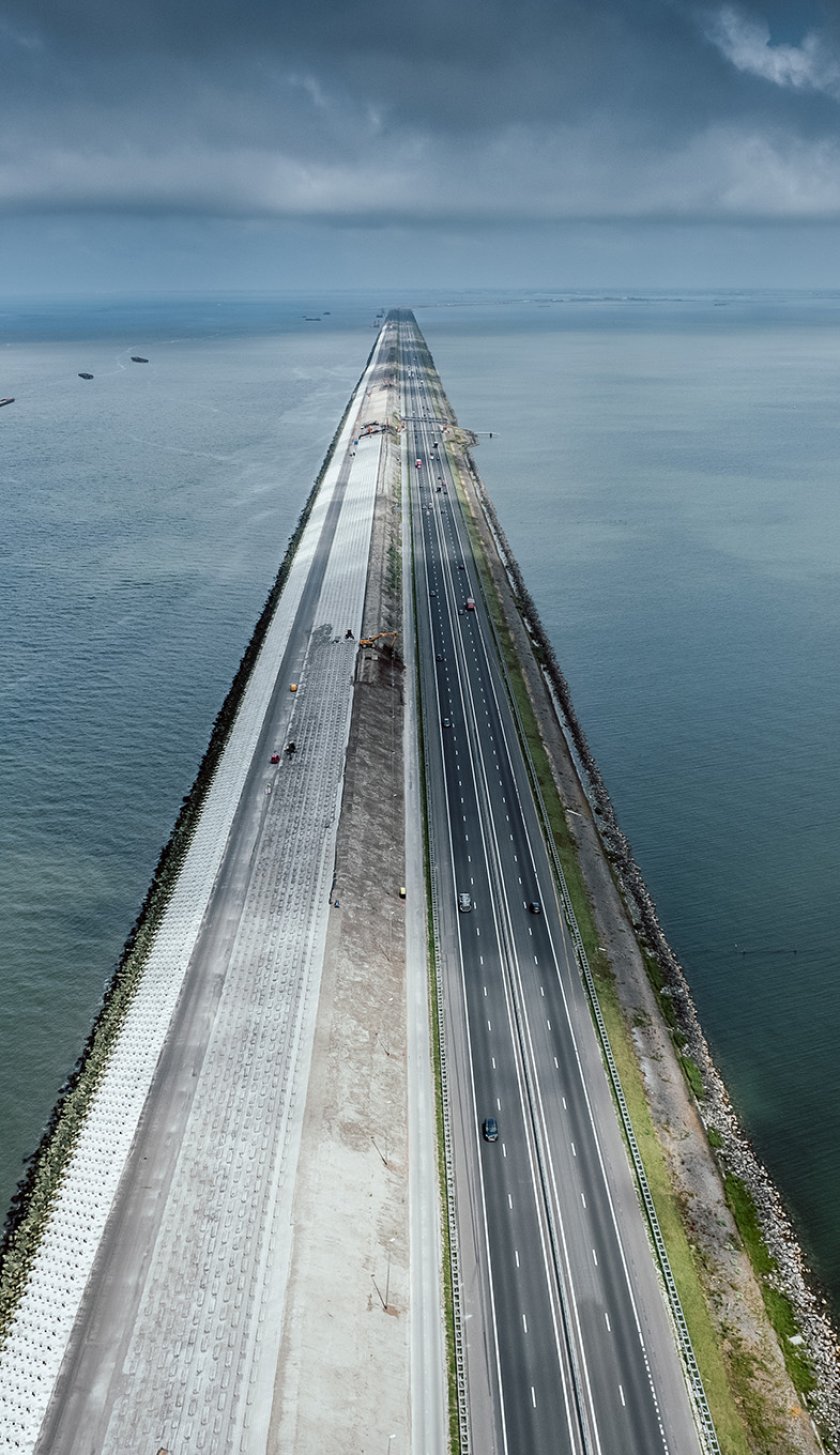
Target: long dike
36,1334
226,1138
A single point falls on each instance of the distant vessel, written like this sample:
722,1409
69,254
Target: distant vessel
138,359
10,399
312,318
85,376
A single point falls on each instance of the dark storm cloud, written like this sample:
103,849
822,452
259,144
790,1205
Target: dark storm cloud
453,110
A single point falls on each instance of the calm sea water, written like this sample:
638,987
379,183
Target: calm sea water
667,471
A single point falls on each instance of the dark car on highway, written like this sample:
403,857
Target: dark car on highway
490,1129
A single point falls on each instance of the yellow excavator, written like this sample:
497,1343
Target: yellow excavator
377,637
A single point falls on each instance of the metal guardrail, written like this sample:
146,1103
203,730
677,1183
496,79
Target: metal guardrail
695,1382
462,1384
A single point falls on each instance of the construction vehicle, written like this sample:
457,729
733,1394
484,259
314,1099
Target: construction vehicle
377,636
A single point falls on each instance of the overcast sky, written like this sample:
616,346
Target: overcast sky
157,144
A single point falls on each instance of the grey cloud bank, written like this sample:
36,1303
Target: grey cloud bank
510,128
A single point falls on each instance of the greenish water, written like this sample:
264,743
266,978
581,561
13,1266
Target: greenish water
667,471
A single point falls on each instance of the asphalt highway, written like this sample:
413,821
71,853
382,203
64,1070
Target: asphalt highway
570,1345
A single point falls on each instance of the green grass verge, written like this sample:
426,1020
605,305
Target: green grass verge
779,1308
693,1076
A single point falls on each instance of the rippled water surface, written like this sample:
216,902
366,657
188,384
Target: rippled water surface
667,471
